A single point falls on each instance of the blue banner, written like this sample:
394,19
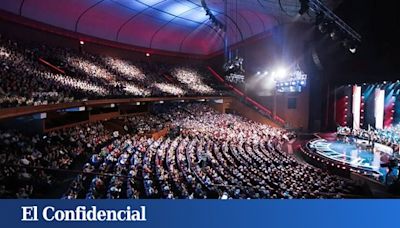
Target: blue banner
199,213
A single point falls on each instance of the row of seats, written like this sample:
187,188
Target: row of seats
214,156
30,162
35,165
25,81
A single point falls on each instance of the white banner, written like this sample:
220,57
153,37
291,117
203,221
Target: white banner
379,108
356,106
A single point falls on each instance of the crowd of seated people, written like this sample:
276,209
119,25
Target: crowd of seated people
28,161
213,156
244,160
34,164
192,80
25,81
121,169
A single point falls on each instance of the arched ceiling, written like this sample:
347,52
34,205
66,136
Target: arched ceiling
170,25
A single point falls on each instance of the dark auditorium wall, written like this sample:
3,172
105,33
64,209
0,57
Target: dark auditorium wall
61,118
221,105
296,117
31,124
103,116
217,107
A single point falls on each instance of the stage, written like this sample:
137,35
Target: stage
355,155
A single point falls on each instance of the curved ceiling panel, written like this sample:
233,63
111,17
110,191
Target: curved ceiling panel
12,6
172,25
140,30
168,37
257,21
206,32
207,42
102,21
60,13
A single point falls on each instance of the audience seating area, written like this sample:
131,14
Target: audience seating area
209,155
205,155
24,80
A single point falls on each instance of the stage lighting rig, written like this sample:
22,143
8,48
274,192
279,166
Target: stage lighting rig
290,81
327,21
218,25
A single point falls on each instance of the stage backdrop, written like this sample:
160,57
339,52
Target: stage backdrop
364,105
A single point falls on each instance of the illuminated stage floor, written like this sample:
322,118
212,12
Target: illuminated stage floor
353,156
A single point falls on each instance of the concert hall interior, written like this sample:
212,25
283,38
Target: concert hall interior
199,99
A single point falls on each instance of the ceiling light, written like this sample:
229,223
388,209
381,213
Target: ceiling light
281,73
333,35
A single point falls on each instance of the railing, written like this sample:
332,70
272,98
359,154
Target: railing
51,66
29,110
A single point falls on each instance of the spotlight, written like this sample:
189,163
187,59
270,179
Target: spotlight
353,50
350,44
217,25
333,35
281,73
327,21
148,54
81,42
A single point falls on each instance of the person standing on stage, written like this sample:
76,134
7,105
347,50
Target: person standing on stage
373,139
369,137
